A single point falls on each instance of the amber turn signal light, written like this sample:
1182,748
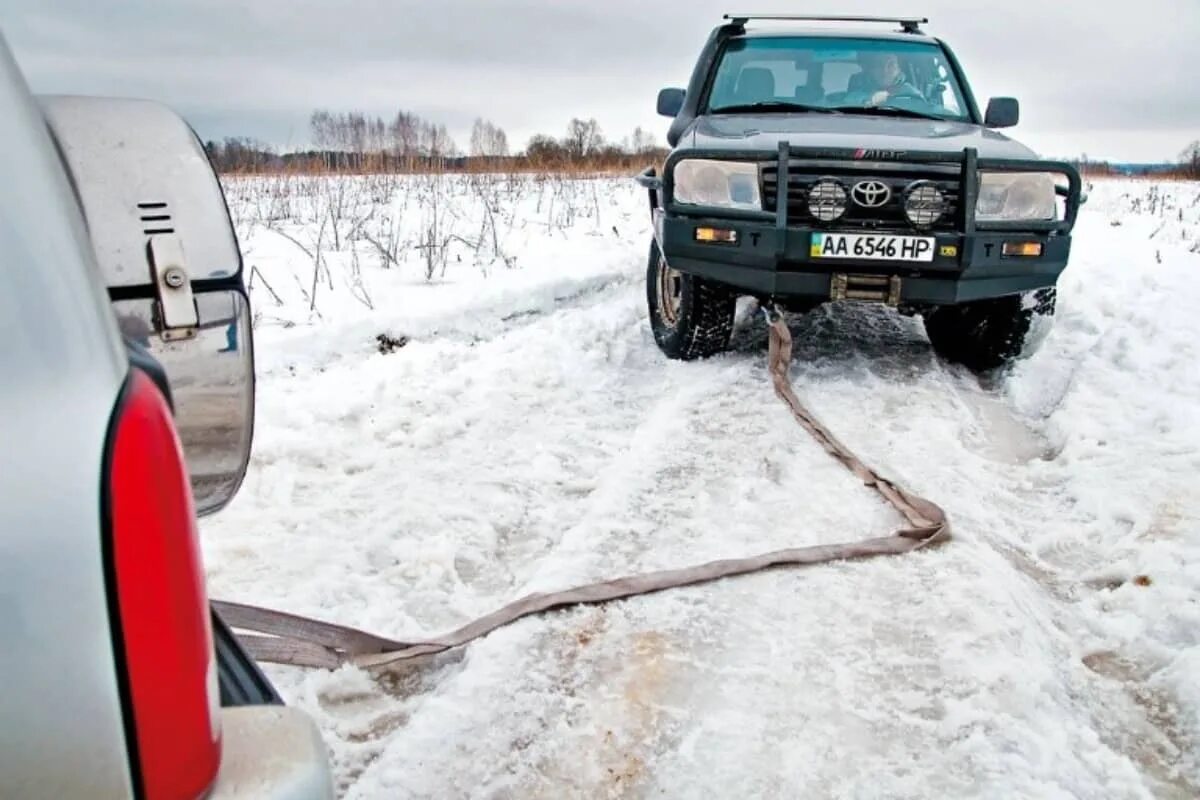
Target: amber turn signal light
1025,249
716,235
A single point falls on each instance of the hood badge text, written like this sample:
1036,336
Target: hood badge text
878,155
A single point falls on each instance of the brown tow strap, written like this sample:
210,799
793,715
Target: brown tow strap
304,642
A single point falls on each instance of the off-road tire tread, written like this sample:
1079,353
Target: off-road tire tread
712,312
986,334
706,316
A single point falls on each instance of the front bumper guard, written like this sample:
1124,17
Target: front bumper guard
662,188
976,271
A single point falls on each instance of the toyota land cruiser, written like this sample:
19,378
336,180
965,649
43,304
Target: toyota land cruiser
834,164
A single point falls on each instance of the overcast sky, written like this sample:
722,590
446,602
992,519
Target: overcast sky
1089,79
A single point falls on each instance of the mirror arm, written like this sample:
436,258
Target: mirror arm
173,286
648,179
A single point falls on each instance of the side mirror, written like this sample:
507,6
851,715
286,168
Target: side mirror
670,102
166,248
1002,112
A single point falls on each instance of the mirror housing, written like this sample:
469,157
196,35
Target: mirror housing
211,377
166,248
1002,112
670,102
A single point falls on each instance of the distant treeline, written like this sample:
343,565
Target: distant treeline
356,142
1186,167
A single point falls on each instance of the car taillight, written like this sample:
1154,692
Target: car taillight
163,606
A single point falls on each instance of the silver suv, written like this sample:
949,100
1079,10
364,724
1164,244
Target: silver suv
118,681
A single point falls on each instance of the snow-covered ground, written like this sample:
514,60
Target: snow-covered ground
528,435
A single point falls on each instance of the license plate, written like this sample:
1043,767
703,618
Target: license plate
872,247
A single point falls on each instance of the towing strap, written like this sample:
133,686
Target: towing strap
281,638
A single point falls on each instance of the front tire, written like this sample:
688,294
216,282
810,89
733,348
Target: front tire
691,317
988,334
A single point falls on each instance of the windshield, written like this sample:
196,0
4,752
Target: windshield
823,74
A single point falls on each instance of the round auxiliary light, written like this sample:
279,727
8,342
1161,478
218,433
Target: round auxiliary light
827,200
924,204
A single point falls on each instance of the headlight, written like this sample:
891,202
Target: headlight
1016,196
724,184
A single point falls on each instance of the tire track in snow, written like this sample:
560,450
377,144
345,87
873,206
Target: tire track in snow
925,390
1031,505
641,454
690,462
672,460
365,718
669,506
646,685
956,672
472,324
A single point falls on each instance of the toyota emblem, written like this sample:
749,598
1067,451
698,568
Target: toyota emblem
871,194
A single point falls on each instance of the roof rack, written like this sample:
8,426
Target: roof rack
907,24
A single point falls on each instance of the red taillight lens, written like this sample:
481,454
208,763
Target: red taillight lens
165,625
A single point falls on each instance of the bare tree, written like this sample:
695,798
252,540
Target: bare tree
436,142
583,138
240,154
544,151
405,133
497,144
321,126
1190,158
641,142
356,134
488,140
478,135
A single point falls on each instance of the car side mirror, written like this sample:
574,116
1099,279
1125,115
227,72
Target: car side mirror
670,102
1002,112
166,248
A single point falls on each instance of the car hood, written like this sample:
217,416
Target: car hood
832,131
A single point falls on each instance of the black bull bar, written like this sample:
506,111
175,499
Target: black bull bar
662,189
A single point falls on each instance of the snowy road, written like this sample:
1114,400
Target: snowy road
530,436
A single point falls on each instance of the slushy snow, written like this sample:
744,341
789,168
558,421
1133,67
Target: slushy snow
528,435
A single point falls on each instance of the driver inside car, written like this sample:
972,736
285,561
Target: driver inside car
883,79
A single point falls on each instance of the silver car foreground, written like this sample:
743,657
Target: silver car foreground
94,701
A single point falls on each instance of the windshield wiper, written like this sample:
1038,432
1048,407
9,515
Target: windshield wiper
885,111
772,105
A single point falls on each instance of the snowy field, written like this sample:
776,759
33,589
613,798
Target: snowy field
522,432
